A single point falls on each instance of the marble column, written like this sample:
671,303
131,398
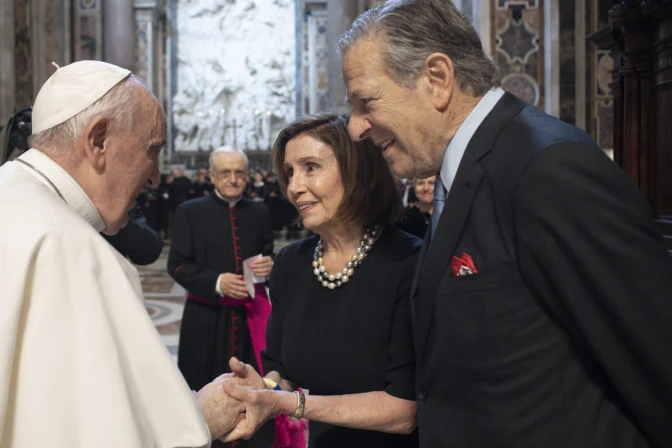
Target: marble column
580,32
481,21
341,14
7,63
467,8
119,33
150,50
552,57
49,35
23,63
144,64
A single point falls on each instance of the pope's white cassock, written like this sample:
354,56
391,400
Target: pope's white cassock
81,364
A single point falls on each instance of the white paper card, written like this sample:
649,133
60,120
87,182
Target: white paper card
249,277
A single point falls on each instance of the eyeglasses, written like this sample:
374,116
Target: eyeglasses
225,174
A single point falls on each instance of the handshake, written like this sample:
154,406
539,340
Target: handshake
235,405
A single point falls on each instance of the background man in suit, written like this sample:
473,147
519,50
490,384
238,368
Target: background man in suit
560,336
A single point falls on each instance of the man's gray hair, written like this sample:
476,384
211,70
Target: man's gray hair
118,104
227,150
411,30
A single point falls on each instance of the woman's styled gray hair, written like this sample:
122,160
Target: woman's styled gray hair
411,30
118,104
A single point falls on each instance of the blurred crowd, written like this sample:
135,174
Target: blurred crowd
176,187
159,204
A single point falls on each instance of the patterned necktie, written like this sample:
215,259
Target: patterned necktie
439,202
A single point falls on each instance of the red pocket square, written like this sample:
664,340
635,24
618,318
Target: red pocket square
463,265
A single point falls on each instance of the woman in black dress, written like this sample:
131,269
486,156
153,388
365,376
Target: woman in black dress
340,325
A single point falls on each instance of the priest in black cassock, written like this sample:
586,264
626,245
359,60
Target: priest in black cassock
211,238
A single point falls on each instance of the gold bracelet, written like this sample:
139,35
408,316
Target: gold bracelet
300,405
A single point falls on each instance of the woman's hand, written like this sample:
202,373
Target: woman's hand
260,406
243,372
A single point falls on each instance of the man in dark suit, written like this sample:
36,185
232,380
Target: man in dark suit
542,304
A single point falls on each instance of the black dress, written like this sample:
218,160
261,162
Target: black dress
349,340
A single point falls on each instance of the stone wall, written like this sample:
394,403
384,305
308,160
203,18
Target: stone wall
35,33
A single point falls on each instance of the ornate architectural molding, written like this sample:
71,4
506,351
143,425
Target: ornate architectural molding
638,37
517,31
313,56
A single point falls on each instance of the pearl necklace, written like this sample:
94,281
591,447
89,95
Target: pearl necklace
333,281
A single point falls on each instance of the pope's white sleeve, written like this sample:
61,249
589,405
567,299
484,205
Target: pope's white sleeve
88,366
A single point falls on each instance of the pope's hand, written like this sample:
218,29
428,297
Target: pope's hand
221,412
262,266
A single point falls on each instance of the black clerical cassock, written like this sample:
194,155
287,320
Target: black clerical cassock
210,238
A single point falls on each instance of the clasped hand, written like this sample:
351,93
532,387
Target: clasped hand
260,404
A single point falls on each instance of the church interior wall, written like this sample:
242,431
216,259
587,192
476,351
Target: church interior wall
235,72
517,33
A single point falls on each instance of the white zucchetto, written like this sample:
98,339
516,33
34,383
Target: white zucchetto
71,89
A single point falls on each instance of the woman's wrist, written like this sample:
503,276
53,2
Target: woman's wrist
287,402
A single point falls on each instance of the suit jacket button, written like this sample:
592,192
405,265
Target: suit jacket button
422,395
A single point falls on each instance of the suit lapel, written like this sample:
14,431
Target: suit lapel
453,217
439,252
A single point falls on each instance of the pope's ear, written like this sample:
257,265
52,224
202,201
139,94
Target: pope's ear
96,135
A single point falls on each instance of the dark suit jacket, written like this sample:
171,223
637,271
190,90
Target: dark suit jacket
137,241
564,336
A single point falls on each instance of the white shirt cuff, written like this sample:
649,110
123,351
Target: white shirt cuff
219,291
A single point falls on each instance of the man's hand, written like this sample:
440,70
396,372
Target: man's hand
232,285
262,266
221,412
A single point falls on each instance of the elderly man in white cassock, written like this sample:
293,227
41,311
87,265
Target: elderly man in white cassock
81,364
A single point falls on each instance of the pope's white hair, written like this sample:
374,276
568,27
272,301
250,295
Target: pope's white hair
118,105
227,150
